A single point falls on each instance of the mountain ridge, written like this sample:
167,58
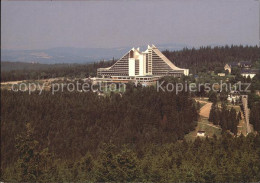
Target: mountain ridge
73,54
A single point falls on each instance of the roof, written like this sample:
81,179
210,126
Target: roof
245,62
250,71
227,65
201,131
233,64
165,59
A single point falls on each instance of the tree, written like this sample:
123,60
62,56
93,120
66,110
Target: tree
255,116
213,97
107,165
214,114
85,168
234,120
32,164
127,166
28,162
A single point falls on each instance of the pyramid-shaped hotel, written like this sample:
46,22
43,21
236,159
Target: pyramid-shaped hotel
140,66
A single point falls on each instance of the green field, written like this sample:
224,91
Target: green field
204,124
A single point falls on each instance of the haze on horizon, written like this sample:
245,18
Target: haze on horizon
110,24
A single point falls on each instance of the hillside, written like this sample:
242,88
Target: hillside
203,59
73,55
211,58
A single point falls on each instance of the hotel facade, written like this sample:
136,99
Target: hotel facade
147,66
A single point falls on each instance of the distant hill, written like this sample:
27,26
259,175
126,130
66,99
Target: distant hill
12,66
199,60
73,55
17,71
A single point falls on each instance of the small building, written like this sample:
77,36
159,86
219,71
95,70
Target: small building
249,72
201,133
221,74
245,64
241,64
228,68
257,92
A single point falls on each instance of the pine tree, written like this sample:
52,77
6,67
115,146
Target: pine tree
213,97
85,168
106,166
28,162
212,114
127,166
33,165
255,116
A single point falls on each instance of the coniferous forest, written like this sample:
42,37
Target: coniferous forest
71,124
15,71
210,59
227,119
137,136
130,91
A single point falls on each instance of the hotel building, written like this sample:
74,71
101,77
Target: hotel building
147,66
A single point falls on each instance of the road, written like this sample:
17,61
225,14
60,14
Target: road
204,111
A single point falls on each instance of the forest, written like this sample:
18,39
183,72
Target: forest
227,119
225,159
135,136
71,124
203,59
208,58
25,71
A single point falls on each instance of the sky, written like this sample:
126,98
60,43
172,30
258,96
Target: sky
114,23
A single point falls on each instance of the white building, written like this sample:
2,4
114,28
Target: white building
221,74
201,133
136,64
251,75
249,72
